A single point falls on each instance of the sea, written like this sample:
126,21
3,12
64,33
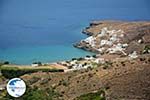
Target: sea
45,30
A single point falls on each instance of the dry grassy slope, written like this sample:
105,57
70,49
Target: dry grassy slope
127,80
123,25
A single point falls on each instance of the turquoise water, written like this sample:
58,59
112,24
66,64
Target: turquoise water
26,55
44,30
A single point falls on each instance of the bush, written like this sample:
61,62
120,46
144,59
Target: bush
63,82
74,59
142,59
123,63
79,59
88,56
105,66
6,62
146,49
94,56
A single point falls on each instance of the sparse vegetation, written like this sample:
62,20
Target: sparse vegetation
33,80
100,95
107,64
63,82
94,65
37,94
11,72
90,75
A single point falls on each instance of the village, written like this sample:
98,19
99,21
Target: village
106,42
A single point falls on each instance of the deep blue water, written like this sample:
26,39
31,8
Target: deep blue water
44,30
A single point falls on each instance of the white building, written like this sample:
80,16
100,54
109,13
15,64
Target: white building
90,40
34,65
119,47
105,42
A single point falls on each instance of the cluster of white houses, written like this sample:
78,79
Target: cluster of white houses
110,44
83,64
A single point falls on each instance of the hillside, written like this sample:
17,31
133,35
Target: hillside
120,70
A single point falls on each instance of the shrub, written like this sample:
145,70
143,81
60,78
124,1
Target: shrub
90,75
74,59
94,56
123,63
88,56
63,82
142,59
39,63
79,59
6,62
105,66
146,49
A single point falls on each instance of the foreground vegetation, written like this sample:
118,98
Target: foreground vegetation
12,72
35,94
100,95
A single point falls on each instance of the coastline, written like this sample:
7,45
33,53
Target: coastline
111,38
120,68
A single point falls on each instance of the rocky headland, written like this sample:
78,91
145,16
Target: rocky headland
116,37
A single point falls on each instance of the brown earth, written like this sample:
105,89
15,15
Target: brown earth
124,79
